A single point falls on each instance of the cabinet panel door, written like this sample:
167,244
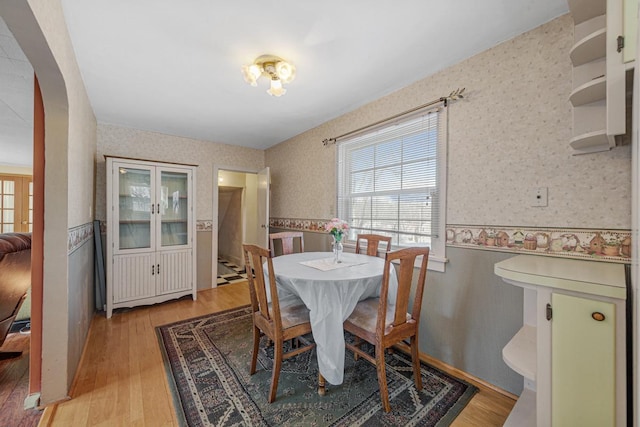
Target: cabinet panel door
134,276
134,205
582,362
630,29
175,271
174,208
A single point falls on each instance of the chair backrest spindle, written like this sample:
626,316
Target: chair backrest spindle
255,258
373,241
405,271
287,239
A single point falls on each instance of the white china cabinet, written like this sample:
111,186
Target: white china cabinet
150,232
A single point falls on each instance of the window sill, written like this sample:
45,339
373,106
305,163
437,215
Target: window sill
435,263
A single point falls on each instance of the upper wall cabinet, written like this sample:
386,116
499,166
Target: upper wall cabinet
598,58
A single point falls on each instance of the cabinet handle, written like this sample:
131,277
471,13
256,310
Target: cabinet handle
153,208
158,269
152,270
597,316
620,43
158,208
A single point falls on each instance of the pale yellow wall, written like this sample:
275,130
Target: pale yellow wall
126,142
509,135
16,170
231,179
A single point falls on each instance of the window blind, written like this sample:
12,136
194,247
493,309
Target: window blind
388,180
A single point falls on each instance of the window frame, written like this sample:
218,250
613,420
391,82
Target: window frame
437,254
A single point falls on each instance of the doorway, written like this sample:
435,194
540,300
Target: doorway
240,207
22,206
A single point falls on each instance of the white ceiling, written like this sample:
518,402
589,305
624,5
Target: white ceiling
174,67
16,102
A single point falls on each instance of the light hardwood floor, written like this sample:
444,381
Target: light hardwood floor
121,380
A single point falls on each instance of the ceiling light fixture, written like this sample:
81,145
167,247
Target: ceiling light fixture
275,68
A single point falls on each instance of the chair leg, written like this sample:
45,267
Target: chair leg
321,384
256,346
382,378
275,374
415,361
356,343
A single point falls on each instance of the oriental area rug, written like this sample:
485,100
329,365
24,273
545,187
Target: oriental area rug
207,361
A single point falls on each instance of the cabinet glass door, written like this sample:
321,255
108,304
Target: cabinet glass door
136,208
174,208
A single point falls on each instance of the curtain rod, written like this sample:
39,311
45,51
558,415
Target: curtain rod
456,94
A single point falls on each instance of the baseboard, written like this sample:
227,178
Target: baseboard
32,401
480,383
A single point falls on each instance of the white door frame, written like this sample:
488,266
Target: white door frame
214,220
635,255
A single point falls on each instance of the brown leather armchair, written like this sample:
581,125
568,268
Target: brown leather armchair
15,280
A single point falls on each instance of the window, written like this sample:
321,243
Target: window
16,203
391,182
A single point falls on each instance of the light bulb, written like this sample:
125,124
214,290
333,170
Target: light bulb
251,74
285,71
276,88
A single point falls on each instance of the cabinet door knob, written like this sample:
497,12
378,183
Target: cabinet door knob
597,316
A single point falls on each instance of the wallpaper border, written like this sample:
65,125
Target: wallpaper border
579,243
78,236
204,225
313,225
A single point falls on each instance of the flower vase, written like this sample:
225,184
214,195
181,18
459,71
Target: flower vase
337,249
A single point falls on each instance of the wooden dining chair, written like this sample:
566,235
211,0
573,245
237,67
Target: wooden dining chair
382,326
373,241
280,320
287,239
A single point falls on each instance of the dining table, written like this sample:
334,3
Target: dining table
331,290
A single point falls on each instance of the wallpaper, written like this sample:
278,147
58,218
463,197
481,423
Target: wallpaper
139,144
508,136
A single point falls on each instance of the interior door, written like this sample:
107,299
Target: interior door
16,203
264,187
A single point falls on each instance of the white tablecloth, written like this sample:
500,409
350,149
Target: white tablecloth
331,296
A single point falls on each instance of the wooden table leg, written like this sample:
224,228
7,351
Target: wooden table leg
321,383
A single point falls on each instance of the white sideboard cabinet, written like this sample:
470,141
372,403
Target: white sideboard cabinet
571,349
150,232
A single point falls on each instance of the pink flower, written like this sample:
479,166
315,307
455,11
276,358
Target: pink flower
336,227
